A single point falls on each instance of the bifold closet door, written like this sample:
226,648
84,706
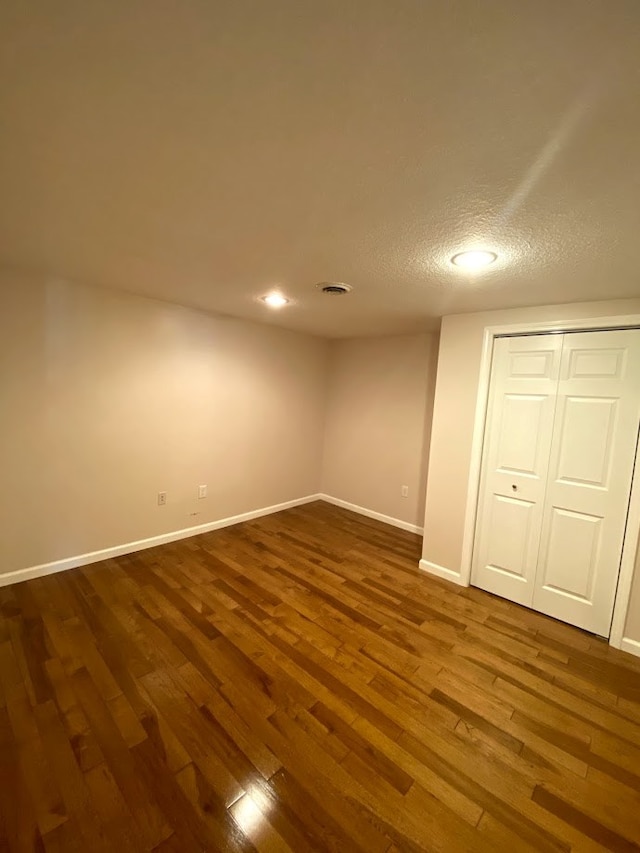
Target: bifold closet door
517,450
590,474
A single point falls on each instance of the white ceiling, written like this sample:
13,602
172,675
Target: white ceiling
204,152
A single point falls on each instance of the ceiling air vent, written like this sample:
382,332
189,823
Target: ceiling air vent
334,288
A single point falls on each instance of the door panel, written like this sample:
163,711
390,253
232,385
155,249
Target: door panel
596,364
518,434
593,421
572,554
591,467
518,450
531,364
510,523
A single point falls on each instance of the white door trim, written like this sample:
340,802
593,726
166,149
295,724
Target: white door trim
633,522
628,561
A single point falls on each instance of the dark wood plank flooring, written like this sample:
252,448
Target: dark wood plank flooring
295,683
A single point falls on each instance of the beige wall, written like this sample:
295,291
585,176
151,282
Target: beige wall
106,399
453,422
377,423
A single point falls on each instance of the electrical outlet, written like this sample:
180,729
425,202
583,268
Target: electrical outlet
202,491
404,491
162,498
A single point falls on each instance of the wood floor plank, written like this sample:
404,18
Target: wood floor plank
70,779
35,768
146,812
604,835
296,683
118,826
19,820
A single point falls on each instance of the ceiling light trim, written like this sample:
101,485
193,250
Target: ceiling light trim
275,300
474,259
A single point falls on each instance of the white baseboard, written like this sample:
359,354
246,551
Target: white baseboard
441,572
370,513
130,547
631,646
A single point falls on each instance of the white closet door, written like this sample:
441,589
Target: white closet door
519,426
592,455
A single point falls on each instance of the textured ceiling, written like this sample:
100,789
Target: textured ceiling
204,152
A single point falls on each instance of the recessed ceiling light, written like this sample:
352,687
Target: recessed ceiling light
475,259
275,300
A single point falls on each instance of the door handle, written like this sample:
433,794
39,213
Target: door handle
514,487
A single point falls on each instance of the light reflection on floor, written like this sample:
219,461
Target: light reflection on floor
250,811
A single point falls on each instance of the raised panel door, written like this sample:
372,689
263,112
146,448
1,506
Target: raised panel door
590,473
519,426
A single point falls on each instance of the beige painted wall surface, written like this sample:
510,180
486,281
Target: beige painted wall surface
453,422
377,423
106,399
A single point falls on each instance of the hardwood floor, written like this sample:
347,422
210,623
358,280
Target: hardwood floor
295,683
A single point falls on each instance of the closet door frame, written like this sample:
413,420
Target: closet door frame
630,544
